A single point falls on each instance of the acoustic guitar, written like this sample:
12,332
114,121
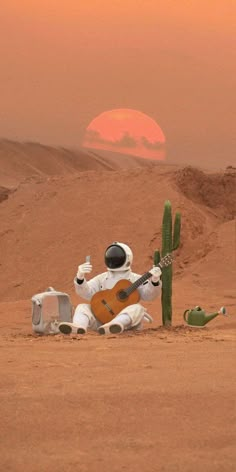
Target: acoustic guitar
106,304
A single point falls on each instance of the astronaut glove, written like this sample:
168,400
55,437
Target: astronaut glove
83,269
156,274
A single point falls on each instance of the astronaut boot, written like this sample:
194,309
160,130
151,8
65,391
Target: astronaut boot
116,326
79,325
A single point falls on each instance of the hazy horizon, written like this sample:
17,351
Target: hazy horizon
64,64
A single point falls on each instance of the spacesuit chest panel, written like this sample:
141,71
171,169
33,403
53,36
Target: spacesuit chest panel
108,280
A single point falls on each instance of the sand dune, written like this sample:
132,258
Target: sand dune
20,161
49,222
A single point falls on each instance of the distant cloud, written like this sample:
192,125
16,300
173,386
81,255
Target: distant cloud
156,145
127,141
93,136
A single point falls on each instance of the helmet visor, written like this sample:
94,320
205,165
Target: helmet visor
115,257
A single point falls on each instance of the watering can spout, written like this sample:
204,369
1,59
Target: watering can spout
211,316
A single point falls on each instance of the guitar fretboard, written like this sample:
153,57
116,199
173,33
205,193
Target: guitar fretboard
138,282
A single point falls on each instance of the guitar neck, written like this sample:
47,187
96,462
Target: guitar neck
138,282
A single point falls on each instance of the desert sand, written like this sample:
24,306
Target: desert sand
157,400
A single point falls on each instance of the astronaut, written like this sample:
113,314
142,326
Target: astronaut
118,260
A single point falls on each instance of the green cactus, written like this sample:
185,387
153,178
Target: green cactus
177,227
169,244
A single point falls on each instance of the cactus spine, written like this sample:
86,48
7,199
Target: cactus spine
169,244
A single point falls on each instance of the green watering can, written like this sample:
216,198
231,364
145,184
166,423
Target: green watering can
198,318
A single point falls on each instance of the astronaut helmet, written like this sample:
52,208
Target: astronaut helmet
118,257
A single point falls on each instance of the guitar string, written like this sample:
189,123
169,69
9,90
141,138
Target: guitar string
138,282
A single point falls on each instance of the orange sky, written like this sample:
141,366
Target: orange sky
65,62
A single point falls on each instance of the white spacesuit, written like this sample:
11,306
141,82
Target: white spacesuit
118,260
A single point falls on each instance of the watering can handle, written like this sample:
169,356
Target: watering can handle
184,315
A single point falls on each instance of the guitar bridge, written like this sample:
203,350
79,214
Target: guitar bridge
108,307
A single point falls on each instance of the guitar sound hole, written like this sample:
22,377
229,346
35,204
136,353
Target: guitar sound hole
122,295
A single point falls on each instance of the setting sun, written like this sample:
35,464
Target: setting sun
126,131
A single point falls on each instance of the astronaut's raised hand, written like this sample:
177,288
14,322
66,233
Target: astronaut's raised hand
83,269
156,274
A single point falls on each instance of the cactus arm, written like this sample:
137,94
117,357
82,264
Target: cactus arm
156,258
177,227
